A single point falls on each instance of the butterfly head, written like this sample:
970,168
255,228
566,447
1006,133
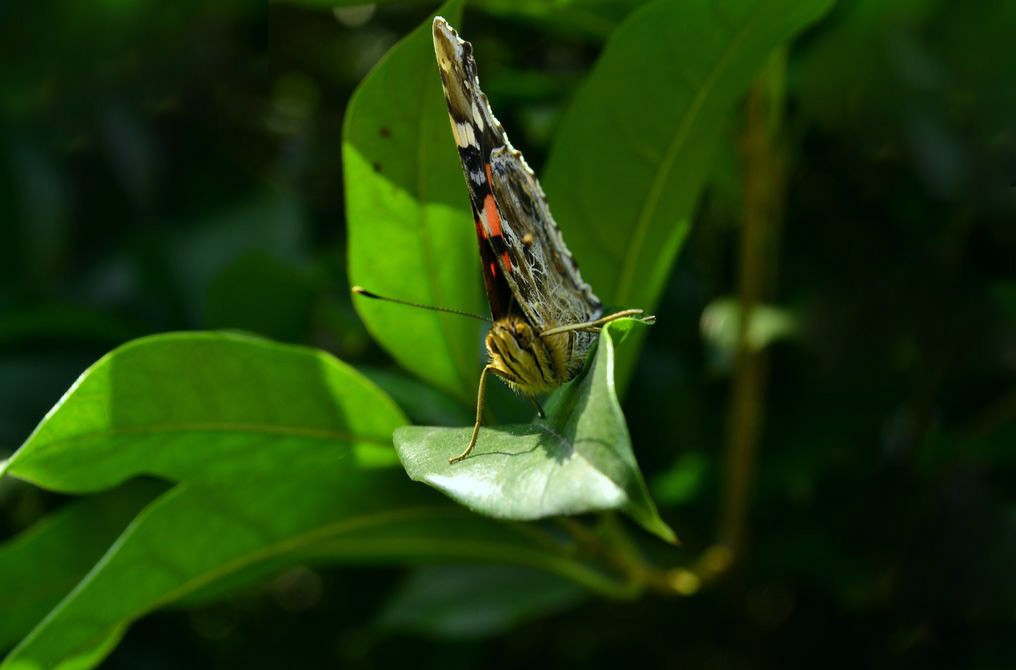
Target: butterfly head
528,362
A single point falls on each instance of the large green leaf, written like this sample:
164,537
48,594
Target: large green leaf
189,405
634,147
202,532
278,449
410,229
578,460
40,566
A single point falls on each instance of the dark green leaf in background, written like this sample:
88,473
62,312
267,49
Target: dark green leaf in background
410,230
256,293
43,564
634,148
202,532
459,601
578,460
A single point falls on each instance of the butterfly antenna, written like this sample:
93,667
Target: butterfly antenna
359,290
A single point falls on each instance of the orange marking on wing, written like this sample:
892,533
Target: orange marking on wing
493,269
490,209
480,230
506,260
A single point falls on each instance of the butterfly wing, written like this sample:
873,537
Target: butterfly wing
476,135
543,273
527,269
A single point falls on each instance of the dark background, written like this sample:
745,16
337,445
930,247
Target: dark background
174,166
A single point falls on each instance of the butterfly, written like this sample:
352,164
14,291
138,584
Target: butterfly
544,317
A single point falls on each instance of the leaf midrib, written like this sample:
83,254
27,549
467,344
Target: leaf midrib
200,427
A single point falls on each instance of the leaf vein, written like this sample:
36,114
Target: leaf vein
656,187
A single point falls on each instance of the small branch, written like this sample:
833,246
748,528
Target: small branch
764,186
763,203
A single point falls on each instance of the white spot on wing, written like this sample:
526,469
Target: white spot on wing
477,116
464,135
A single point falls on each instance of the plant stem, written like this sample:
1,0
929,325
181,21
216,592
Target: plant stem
763,170
764,184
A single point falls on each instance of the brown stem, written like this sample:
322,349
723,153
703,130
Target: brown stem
764,183
762,164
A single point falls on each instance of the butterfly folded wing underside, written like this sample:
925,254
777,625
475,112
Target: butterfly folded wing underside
526,266
543,273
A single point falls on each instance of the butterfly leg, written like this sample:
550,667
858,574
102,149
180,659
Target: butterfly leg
598,323
479,413
539,408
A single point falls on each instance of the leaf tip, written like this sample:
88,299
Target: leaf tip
660,529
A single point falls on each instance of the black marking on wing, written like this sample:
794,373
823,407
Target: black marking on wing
477,134
499,292
521,247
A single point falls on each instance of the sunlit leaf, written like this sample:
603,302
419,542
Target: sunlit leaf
410,229
189,405
578,460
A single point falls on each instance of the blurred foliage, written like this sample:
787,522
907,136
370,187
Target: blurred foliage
177,166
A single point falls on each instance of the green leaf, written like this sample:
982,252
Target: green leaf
578,460
410,228
634,147
41,565
459,601
682,481
280,447
202,532
189,405
422,402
